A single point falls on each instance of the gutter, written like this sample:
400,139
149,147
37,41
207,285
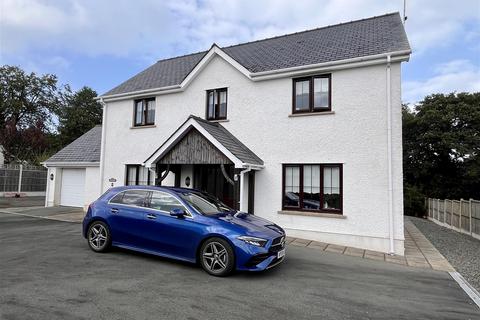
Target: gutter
402,55
389,156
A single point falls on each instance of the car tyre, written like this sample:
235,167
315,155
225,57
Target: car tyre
99,237
217,257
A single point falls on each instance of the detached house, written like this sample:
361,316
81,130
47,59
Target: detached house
302,129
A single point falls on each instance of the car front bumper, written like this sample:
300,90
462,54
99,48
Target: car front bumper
252,258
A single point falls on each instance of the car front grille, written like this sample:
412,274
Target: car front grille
277,244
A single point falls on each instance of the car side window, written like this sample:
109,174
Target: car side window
131,197
165,202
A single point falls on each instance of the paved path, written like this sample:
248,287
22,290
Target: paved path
419,252
48,272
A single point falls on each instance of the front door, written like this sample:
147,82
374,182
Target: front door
209,178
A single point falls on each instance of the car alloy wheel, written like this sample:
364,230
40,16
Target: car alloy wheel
217,257
98,236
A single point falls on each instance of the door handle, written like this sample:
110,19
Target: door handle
151,216
114,210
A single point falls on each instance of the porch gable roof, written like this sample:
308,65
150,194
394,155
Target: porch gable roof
240,155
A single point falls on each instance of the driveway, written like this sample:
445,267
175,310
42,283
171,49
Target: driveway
47,271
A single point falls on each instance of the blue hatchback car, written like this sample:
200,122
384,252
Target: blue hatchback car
183,224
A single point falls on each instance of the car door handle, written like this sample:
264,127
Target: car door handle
151,216
114,210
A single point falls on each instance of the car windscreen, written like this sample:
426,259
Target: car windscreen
204,204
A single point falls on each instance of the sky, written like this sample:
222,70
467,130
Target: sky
101,43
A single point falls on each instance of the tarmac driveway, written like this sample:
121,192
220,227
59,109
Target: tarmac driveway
47,271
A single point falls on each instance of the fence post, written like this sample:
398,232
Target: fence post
445,211
451,213
438,209
470,215
460,217
20,179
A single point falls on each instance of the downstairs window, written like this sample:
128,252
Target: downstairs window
312,187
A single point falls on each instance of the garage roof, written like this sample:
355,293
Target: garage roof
86,148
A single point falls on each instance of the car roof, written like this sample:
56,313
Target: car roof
159,188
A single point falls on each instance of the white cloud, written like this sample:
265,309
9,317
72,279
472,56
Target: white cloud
455,75
148,28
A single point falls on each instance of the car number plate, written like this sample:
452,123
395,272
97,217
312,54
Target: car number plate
281,253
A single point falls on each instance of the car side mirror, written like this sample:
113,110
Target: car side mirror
177,212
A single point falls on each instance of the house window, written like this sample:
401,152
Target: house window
144,114
312,187
138,175
217,104
312,94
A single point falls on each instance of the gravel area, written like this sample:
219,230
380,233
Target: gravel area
461,250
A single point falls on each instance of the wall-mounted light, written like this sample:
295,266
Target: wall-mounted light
187,181
51,176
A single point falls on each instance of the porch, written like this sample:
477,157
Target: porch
206,156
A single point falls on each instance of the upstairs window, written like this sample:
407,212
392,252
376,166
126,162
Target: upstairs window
217,104
312,187
144,114
312,94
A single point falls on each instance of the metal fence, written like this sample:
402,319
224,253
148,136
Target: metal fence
18,178
459,215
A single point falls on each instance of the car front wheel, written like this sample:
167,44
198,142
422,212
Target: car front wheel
99,238
217,257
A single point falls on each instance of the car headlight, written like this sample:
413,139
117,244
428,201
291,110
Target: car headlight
259,242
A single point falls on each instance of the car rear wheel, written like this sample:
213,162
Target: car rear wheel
98,236
217,257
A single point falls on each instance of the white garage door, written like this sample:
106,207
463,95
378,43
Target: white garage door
73,188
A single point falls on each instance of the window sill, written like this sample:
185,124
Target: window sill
307,114
220,120
143,127
313,214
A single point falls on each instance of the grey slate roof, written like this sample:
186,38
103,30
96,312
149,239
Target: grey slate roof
84,149
353,39
229,141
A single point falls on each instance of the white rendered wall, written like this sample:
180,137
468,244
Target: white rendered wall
92,190
258,114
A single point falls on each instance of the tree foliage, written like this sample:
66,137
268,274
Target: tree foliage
441,143
80,113
30,106
27,105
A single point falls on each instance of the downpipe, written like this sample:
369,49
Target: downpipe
242,180
102,145
389,158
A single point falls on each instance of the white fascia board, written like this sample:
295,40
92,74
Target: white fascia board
192,123
396,56
70,164
214,50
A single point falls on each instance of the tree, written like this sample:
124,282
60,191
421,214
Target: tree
27,104
441,143
79,113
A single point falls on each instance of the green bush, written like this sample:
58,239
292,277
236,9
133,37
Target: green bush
413,201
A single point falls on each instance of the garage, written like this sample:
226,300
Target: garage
71,167
72,188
